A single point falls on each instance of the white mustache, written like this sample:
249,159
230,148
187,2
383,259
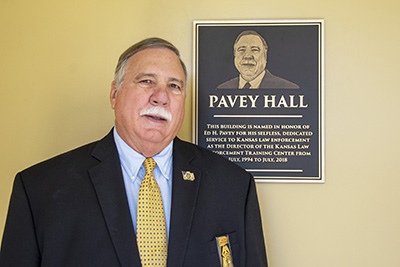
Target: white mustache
248,62
156,111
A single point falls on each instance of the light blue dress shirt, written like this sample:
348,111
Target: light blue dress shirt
133,173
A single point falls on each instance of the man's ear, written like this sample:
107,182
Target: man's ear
113,94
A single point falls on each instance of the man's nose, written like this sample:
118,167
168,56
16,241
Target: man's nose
248,55
159,95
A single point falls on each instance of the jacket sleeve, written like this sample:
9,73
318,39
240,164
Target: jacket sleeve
19,246
255,248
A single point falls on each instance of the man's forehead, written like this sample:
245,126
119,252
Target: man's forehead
250,39
153,54
160,57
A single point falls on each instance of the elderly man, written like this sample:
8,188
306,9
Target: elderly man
140,196
250,56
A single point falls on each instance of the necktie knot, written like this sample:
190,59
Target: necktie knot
149,165
247,85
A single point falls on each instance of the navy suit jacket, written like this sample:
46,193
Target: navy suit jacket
72,210
269,81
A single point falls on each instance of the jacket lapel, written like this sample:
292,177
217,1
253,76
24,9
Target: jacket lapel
108,182
184,197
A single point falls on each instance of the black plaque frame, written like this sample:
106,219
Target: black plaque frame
276,134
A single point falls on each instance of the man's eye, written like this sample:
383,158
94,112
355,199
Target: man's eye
175,86
146,82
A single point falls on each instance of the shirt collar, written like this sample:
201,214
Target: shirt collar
132,161
254,84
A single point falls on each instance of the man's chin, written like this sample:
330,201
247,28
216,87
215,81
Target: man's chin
248,77
248,72
156,136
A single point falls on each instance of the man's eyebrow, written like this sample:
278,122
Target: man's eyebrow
144,74
245,46
152,75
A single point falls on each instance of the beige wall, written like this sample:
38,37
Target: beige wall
57,59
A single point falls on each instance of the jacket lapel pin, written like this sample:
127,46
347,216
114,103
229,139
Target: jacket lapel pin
188,176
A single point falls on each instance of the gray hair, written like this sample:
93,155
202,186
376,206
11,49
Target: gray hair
154,42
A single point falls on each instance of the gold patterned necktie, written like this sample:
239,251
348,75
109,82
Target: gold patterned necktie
151,229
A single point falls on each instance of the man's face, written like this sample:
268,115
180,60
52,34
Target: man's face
250,56
153,89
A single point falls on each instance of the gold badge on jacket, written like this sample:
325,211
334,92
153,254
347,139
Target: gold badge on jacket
188,176
224,251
